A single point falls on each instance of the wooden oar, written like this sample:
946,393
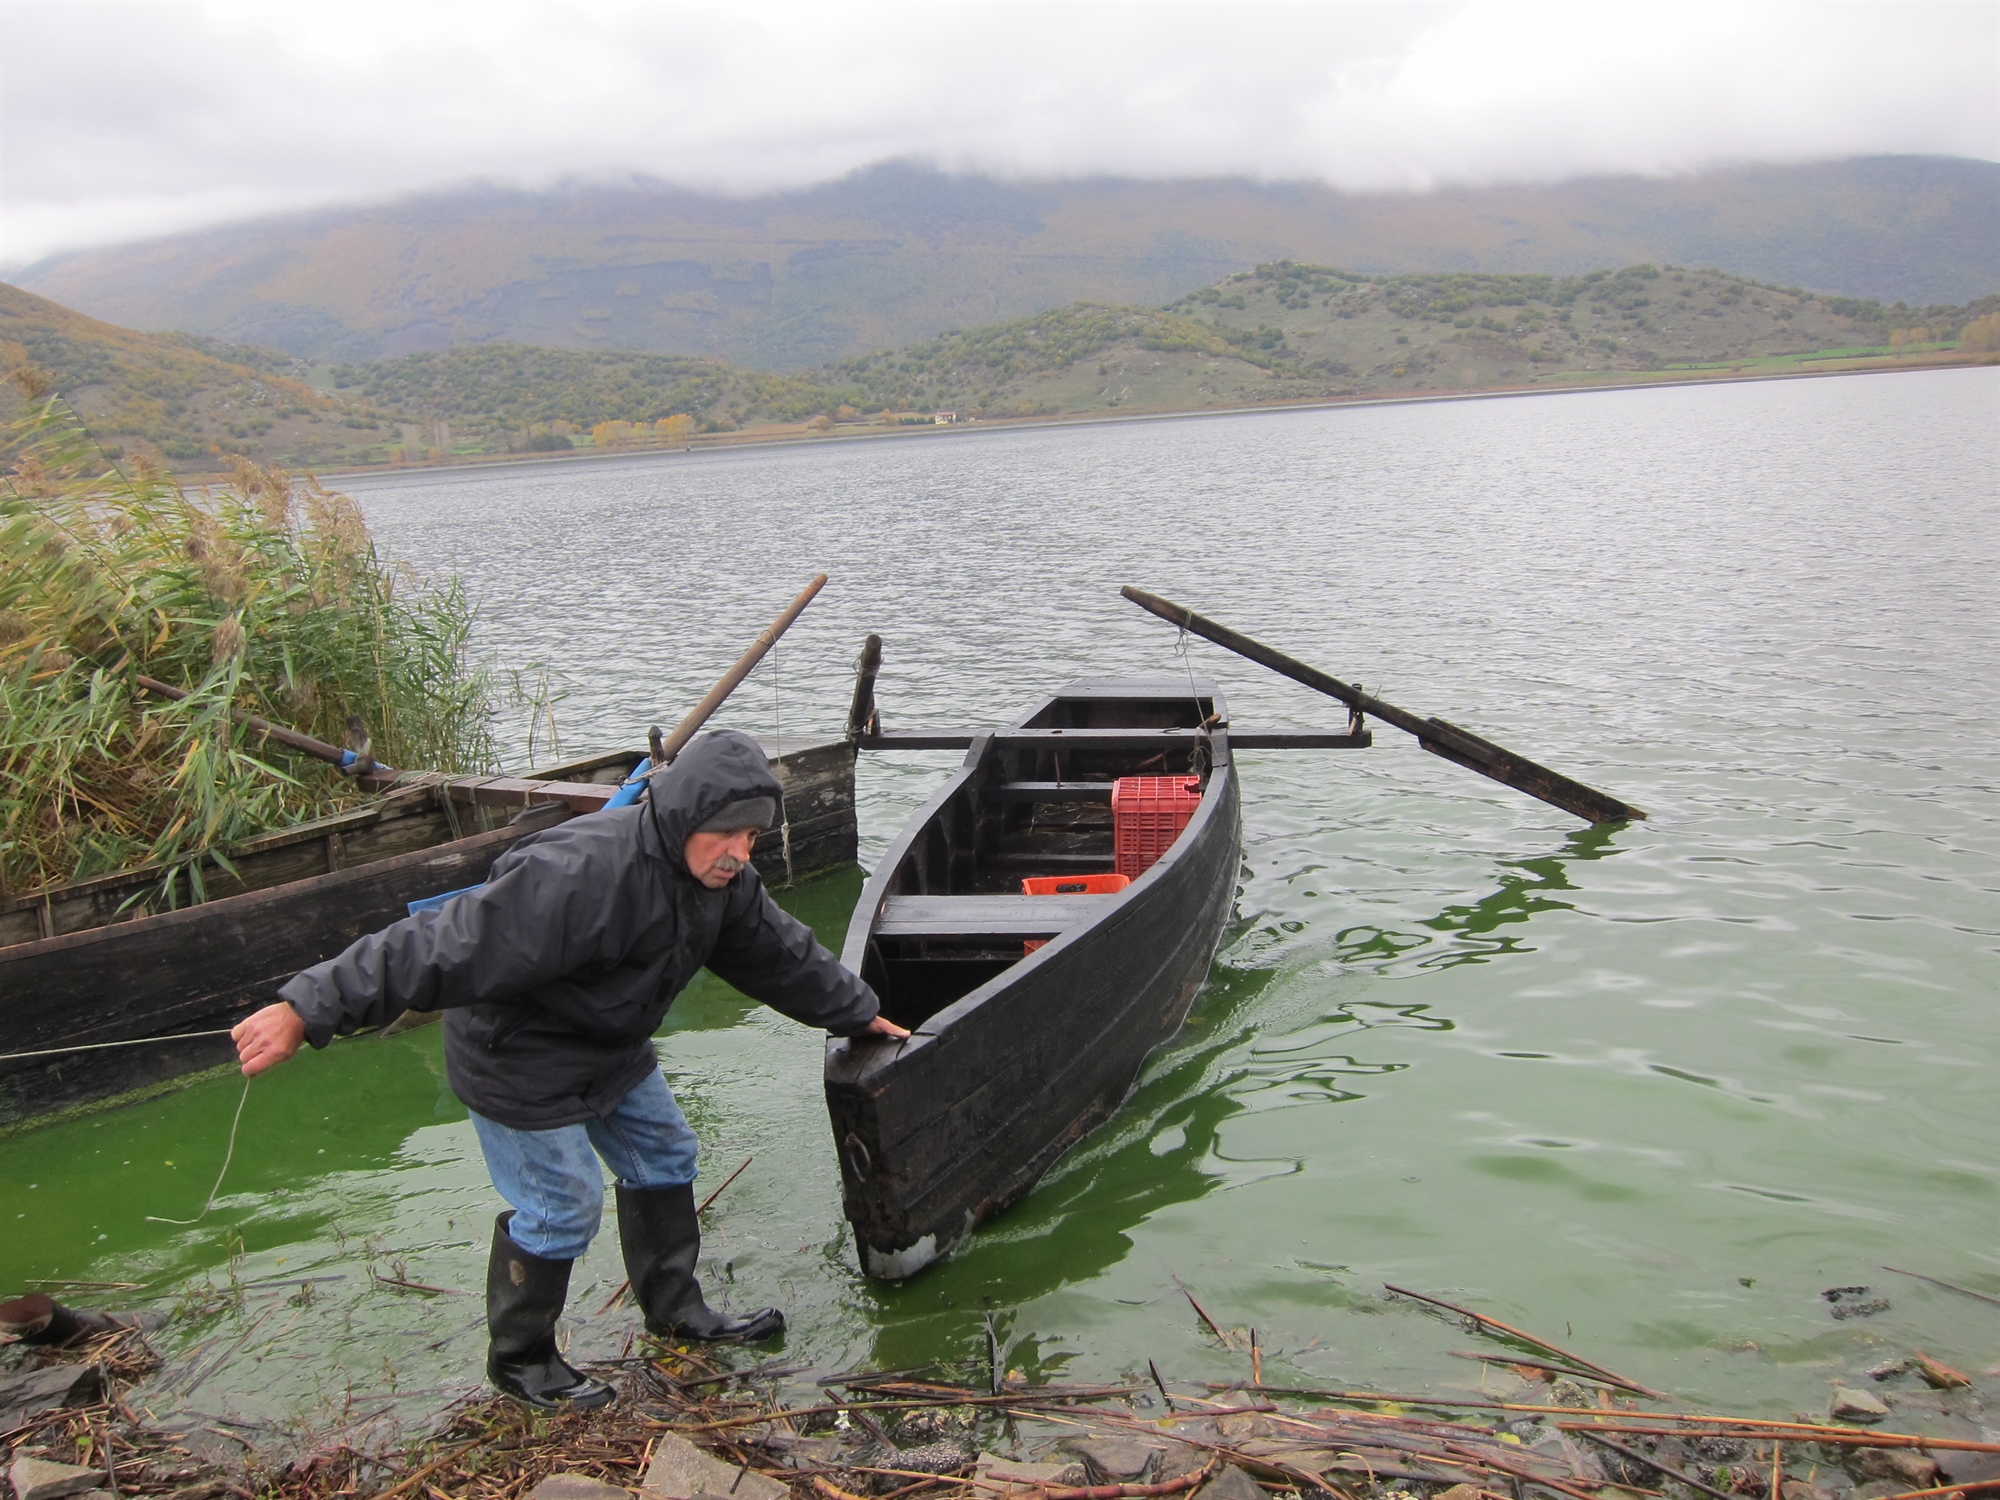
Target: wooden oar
673,744
305,744
1435,735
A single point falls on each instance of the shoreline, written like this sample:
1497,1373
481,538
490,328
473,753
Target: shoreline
771,439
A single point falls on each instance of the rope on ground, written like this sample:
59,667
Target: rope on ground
144,1041
227,1157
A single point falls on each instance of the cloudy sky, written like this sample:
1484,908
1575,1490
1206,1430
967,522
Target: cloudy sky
125,120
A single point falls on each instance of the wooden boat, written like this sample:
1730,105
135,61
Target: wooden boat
1018,1052
90,963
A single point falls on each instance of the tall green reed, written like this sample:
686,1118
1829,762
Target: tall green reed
264,596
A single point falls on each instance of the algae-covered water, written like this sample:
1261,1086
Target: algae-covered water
1647,1091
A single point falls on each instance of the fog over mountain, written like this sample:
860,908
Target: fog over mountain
119,121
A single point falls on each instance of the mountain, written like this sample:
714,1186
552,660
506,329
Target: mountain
188,401
899,253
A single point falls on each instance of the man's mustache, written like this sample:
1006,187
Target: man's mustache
729,864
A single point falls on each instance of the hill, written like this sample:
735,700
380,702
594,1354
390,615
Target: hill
172,396
898,253
1284,331
1281,332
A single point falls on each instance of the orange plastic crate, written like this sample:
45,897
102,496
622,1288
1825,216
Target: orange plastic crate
1069,885
1148,814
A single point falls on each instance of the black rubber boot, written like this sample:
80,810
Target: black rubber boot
661,1236
524,1297
39,1319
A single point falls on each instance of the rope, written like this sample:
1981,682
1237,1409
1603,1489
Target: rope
227,1157
778,739
1197,761
144,1041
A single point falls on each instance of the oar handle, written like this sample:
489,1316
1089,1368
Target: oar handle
305,744
1435,735
688,728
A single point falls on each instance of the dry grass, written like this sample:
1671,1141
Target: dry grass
264,597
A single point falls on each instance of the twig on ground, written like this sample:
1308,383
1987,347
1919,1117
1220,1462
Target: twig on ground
1526,1338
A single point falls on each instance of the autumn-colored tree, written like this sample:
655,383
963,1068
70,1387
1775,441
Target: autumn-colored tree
611,434
820,423
1981,333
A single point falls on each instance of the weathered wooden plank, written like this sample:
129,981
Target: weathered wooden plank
986,916
1285,739
198,967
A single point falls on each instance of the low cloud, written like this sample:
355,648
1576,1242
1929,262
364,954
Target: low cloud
120,121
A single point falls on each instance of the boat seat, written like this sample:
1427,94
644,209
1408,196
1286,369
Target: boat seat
985,916
1050,791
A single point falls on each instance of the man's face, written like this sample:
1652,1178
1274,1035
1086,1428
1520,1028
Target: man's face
715,858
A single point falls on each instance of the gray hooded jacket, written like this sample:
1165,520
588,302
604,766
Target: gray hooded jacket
556,972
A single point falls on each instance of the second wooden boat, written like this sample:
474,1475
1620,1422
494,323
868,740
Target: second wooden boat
1032,1014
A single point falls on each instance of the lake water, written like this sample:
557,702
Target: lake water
1647,1092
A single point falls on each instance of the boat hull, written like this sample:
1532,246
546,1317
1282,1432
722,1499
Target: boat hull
141,980
939,1134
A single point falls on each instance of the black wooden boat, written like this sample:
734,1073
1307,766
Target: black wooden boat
1019,1051
89,964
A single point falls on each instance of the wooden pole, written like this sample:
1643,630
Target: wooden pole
1435,735
304,743
861,713
686,730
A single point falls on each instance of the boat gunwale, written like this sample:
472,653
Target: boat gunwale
847,1064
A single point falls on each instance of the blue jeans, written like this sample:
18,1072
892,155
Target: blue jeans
552,1177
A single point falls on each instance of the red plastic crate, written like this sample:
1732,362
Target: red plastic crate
1148,814
1069,885
1074,885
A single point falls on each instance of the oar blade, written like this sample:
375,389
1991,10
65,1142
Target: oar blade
1536,780
1459,746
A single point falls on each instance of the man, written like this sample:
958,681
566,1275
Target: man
553,977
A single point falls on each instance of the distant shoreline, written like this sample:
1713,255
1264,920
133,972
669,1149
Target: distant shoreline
766,439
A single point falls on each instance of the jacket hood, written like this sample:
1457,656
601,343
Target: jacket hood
719,768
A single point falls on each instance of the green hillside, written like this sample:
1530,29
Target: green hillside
1281,332
184,400
898,254
1285,331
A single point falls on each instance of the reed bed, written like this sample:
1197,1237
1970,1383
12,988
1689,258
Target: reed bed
263,596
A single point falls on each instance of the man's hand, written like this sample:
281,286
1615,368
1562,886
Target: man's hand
268,1038
880,1026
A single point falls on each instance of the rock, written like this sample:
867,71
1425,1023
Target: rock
1460,1492
1117,1460
945,1456
1887,1369
680,1471
1231,1483
576,1487
40,1479
1569,1393
25,1392
1178,1459
1961,1467
1909,1468
1850,1405
1015,1473
1799,1489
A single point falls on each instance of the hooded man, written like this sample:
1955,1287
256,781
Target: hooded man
553,977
